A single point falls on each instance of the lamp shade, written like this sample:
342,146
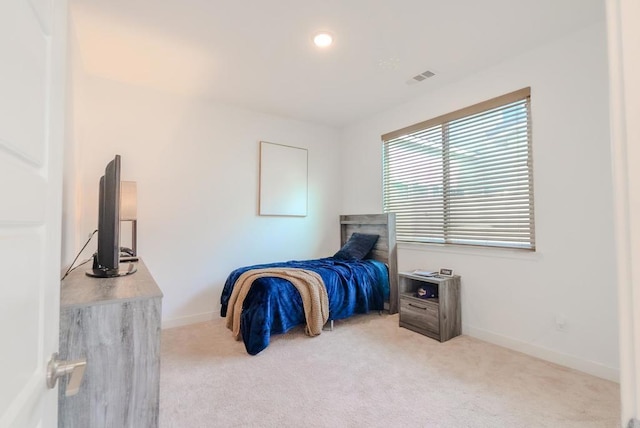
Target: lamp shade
128,200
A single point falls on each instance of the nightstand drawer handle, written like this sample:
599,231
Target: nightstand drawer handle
417,307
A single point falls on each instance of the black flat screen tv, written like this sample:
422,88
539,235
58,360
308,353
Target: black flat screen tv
106,261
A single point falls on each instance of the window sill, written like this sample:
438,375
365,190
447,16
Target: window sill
493,252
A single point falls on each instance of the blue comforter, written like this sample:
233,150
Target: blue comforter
273,305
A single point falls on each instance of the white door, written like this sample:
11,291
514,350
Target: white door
32,76
624,109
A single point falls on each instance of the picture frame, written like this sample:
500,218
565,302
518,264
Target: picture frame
283,180
446,272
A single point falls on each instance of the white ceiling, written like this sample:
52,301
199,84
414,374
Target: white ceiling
259,54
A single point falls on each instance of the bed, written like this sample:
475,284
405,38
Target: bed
267,299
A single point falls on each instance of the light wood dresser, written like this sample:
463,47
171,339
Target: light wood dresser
115,324
438,317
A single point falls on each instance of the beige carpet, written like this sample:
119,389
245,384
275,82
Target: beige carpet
369,372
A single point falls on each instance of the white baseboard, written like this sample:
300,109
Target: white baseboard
186,320
586,366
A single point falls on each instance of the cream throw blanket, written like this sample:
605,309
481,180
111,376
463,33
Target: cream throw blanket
310,285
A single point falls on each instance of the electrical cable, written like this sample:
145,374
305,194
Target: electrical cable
71,268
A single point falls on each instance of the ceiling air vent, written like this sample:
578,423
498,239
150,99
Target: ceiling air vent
420,77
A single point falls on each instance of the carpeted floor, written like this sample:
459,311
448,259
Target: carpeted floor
369,372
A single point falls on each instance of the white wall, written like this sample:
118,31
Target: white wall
70,196
196,165
509,297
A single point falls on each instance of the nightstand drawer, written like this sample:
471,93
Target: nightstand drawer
421,314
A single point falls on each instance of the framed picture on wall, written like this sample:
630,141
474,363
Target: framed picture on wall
283,180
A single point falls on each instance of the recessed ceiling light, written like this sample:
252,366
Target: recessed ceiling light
323,40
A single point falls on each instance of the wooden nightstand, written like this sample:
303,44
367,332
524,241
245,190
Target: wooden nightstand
438,317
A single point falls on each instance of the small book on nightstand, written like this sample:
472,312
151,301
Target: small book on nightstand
422,272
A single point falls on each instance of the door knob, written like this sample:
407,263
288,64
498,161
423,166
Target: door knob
57,368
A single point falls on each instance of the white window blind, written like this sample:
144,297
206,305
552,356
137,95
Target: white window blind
465,177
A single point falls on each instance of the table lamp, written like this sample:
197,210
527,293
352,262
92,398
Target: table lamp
129,212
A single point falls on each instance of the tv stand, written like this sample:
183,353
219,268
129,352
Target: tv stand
113,323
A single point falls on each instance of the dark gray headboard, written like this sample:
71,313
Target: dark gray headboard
385,249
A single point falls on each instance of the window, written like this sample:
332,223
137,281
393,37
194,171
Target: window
465,177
